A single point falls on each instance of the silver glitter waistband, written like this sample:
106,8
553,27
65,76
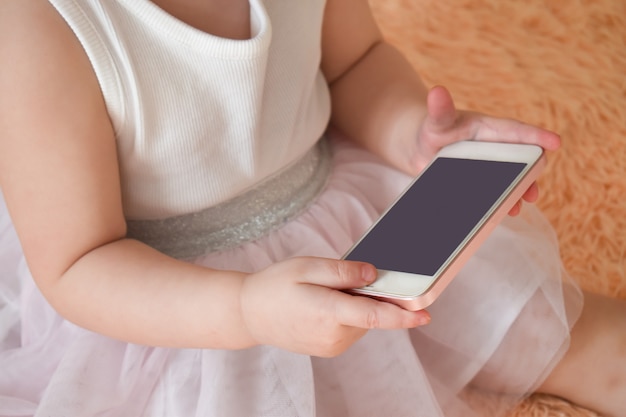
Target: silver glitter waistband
244,218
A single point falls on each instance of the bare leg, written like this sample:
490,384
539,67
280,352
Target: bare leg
593,372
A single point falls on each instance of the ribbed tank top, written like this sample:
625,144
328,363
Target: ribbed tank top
200,119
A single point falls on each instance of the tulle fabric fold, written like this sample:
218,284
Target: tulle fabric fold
501,326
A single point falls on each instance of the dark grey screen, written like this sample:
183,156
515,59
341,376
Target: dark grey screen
424,227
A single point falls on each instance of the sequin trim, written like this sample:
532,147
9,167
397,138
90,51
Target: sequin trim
241,219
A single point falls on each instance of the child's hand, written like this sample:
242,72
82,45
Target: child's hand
297,305
444,124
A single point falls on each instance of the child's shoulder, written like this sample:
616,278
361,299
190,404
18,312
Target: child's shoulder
30,24
38,49
34,37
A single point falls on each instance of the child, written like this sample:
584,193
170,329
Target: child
179,221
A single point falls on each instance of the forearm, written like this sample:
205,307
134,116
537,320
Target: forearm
129,291
380,102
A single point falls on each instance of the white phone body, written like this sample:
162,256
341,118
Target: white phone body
421,242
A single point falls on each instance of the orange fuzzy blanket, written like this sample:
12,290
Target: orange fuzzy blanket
560,65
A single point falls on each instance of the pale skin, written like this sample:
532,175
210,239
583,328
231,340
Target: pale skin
59,175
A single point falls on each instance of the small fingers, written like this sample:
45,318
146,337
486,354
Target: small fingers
516,209
532,194
509,130
366,313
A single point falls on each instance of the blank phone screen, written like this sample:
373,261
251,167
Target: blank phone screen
420,232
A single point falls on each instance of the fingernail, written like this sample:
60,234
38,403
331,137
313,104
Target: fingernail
368,273
424,318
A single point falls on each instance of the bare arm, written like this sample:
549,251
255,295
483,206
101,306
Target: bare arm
59,175
377,97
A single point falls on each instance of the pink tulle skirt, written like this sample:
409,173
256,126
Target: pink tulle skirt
500,326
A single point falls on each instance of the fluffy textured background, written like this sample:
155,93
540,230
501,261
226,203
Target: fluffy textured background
560,65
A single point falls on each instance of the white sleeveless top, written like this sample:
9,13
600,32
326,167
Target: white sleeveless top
199,118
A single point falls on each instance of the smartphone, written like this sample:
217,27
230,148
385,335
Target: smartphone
421,242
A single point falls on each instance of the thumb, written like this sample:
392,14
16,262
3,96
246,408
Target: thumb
441,112
337,274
